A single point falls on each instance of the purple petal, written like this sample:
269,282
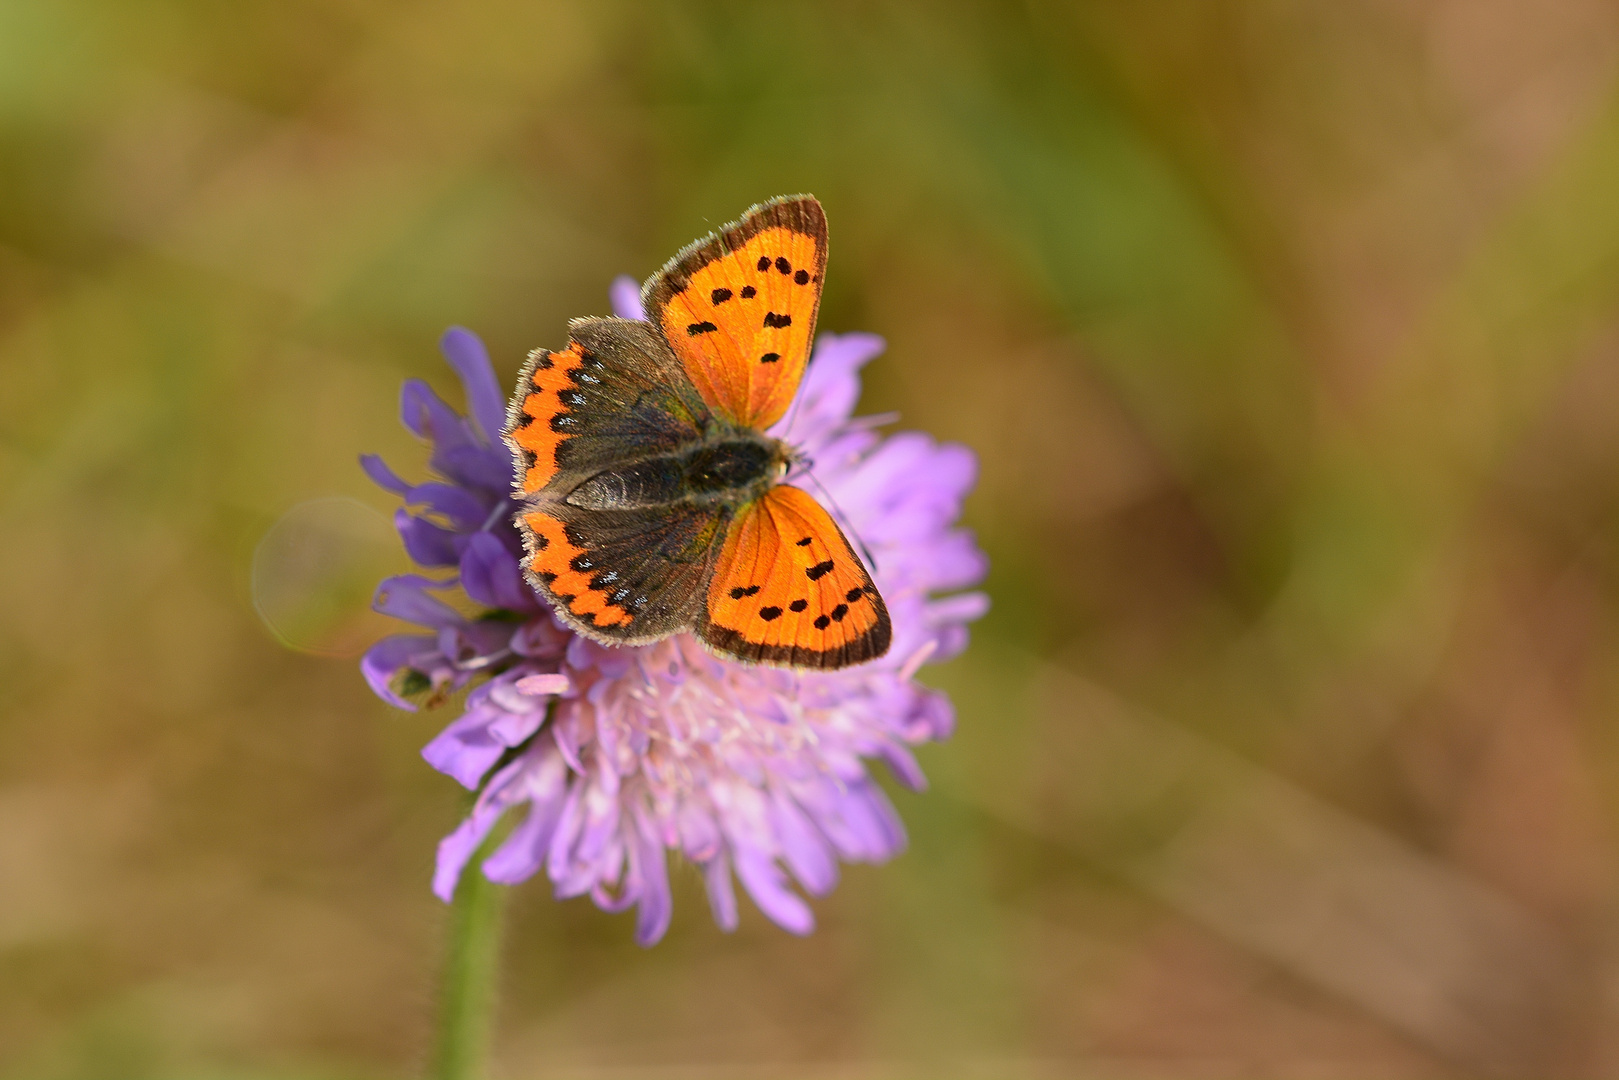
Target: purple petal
475,644
471,744
831,386
465,750
652,866
602,819
471,465
381,475
523,853
490,575
955,468
426,414
768,886
456,503
384,660
873,824
963,607
569,821
404,596
556,683
697,832
454,850
802,846
466,353
955,562
625,295
904,767
846,353
721,897
511,728
541,638
426,543
933,717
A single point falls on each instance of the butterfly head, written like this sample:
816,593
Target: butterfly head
790,462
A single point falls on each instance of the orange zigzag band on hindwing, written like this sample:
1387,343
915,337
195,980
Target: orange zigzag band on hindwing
536,432
553,563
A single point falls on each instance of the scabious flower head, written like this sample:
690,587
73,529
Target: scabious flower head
622,754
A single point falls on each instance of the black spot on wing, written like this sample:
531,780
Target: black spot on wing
783,265
822,622
749,292
739,592
770,358
764,262
798,605
819,570
719,296
704,327
769,613
774,321
802,277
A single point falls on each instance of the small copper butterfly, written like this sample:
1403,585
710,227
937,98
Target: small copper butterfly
654,502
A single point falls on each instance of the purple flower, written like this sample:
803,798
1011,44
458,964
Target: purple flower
621,754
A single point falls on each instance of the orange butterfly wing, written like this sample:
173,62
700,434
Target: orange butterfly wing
546,376
739,308
788,589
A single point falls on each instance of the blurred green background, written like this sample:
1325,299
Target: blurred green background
1288,337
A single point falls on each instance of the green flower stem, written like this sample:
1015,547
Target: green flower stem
467,997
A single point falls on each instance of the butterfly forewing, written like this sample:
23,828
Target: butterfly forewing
788,589
615,393
739,307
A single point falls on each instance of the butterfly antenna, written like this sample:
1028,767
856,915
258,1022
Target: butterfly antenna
798,399
792,410
865,552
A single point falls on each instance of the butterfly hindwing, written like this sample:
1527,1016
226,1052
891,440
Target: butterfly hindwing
738,307
788,589
615,393
622,576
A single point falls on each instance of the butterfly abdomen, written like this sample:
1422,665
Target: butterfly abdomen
730,470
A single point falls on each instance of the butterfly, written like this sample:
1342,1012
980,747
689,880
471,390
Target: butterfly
653,501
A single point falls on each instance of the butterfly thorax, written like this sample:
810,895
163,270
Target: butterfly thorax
732,467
